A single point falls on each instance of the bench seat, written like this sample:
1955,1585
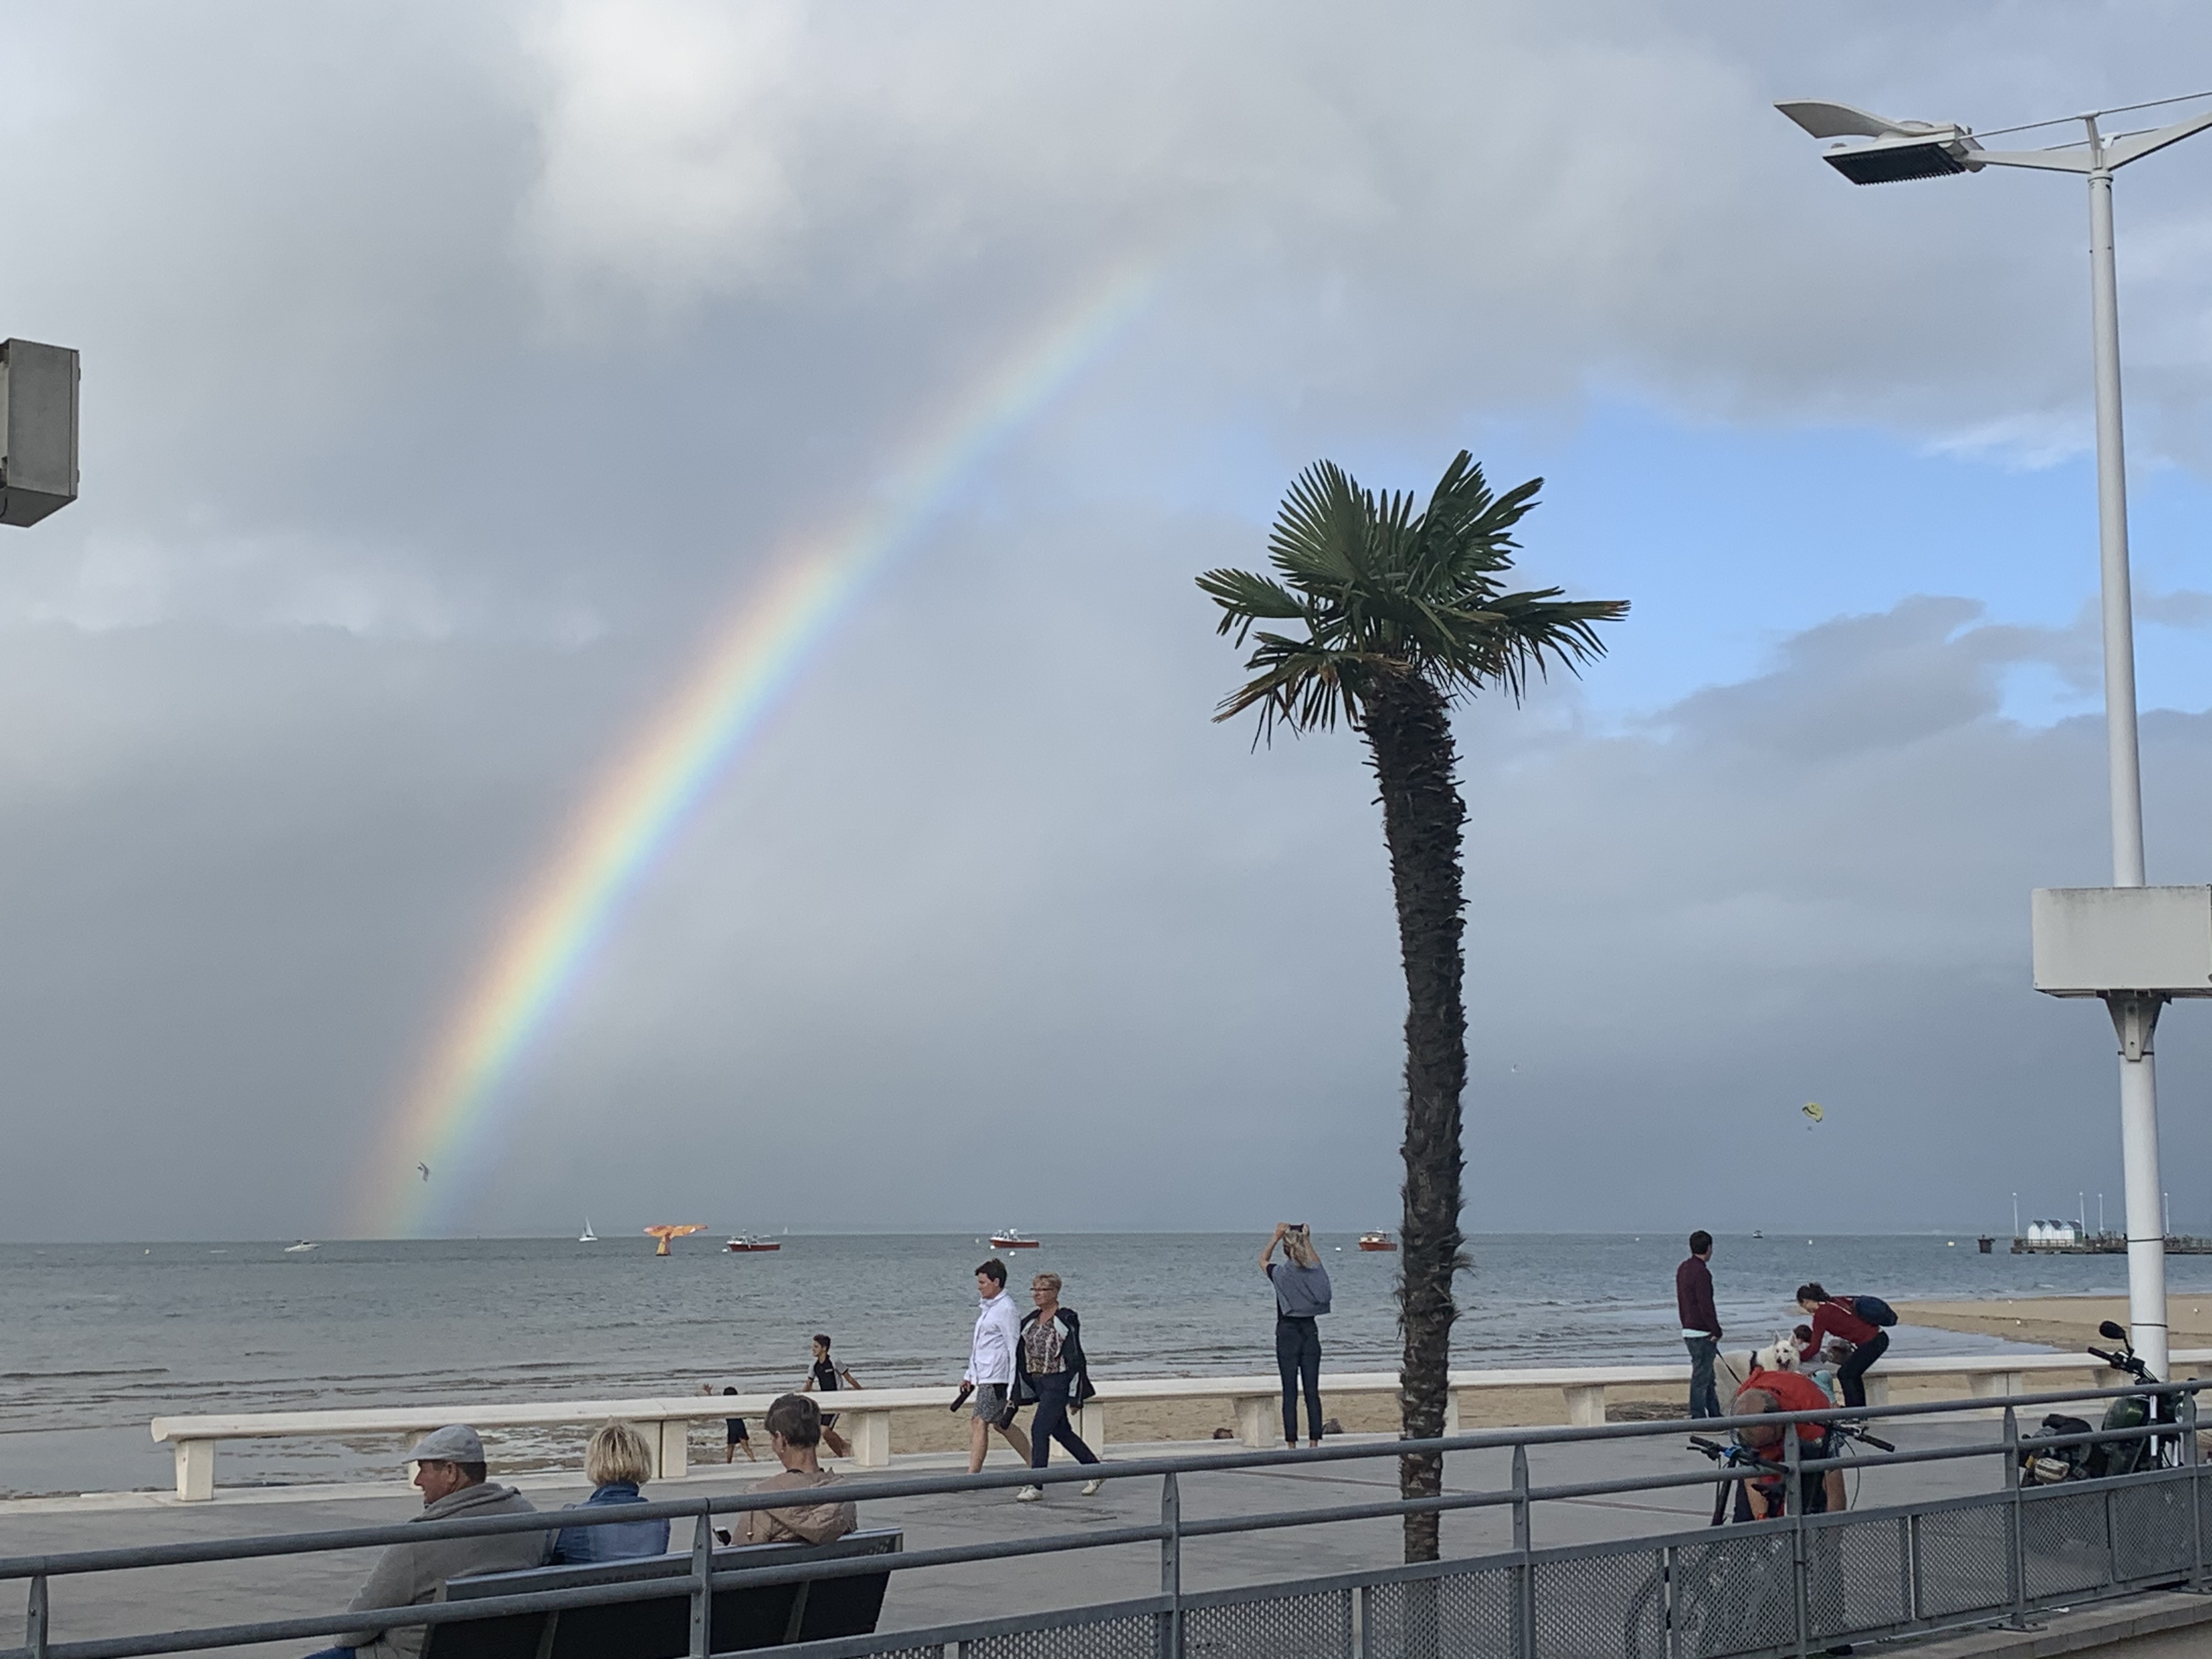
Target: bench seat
656,1624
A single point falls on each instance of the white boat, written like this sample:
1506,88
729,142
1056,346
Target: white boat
588,1237
294,1249
1007,1239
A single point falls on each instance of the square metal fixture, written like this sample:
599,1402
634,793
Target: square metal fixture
2090,941
37,430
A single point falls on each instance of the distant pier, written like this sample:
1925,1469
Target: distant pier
2106,1244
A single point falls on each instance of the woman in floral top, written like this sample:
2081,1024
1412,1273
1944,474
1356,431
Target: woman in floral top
1050,1369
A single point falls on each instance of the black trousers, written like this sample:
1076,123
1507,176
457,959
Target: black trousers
1851,1376
1297,1358
1051,1424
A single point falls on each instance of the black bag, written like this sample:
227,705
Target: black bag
1873,1310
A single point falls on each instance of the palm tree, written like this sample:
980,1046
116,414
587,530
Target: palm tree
1404,614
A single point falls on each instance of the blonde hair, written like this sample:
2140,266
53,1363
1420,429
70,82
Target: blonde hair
1297,1244
617,1452
1053,1280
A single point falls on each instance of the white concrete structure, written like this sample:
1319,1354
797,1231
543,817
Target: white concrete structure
864,1416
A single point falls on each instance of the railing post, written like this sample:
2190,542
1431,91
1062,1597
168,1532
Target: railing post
2015,1526
1524,1575
1171,1564
2193,1460
703,1586
35,1619
1793,1495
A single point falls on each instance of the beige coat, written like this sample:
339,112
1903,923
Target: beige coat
808,1524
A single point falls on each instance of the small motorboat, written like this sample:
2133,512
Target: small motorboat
1377,1242
748,1243
588,1237
304,1244
1007,1239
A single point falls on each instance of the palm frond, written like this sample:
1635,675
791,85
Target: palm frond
1386,586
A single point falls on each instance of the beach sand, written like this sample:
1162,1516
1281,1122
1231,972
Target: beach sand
2068,1323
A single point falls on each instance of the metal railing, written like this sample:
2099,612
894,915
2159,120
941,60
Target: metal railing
1798,1585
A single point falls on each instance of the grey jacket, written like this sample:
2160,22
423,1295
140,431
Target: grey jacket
1300,1292
407,1574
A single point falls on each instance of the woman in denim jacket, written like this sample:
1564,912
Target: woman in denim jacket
618,1462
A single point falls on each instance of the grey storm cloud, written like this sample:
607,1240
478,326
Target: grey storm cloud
446,370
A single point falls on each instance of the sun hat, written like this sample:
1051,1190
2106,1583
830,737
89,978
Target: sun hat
457,1442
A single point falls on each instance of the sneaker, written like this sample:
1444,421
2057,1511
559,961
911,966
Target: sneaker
1090,1488
1028,1494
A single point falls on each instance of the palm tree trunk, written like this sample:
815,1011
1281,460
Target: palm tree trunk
1408,731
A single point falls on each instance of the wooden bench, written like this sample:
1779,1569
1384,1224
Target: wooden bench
656,1623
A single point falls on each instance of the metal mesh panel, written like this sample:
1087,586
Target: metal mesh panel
1601,1606
1134,1637
1468,1615
1316,1627
1733,1595
931,1652
2150,1530
1856,1577
2067,1548
1965,1561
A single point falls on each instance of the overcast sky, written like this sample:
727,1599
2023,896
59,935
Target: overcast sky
448,368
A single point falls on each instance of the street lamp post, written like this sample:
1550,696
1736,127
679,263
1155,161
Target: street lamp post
1921,149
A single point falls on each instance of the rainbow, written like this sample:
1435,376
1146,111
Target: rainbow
458,1109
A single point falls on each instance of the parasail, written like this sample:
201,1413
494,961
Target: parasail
1813,1113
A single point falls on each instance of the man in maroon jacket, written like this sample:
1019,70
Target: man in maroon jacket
1701,1326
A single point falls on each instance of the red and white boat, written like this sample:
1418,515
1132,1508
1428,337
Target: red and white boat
1377,1242
750,1244
1007,1239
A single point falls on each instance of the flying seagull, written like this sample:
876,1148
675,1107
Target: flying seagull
425,1168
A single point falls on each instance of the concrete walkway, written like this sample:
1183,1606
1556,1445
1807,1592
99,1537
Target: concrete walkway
219,1593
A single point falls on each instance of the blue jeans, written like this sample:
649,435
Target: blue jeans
1704,1397
332,1653
1051,1424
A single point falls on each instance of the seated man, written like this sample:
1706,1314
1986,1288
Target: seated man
450,1471
1775,1390
794,1434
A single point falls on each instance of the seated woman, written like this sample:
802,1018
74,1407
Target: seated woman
618,1462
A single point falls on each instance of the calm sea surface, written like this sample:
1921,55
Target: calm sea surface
101,1338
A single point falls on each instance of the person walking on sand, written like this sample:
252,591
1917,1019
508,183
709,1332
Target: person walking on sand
1701,1325
990,1374
827,1375
1844,1316
1302,1296
1050,1366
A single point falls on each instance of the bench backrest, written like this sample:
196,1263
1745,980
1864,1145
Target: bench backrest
656,1623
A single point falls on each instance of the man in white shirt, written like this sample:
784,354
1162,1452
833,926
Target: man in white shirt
990,1373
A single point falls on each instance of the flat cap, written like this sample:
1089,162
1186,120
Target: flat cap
457,1442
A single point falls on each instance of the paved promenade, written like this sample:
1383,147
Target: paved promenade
220,1593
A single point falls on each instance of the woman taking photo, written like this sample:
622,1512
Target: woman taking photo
1049,1367
1301,1297
1839,1315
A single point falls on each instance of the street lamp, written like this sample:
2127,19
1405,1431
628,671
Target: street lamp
1921,149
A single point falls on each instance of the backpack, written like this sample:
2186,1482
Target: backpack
1873,1310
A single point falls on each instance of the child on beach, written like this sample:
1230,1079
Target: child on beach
736,1428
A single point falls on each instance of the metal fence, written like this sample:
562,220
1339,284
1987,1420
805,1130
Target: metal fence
1797,1585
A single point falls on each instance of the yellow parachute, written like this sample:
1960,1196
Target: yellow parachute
1813,1113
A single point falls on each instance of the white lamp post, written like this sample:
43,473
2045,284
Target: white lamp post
1921,149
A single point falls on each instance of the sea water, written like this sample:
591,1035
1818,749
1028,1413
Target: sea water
101,1338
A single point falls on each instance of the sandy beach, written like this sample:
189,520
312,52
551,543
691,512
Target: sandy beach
2061,1322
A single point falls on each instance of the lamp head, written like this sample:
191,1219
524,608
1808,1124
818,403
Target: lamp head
1900,149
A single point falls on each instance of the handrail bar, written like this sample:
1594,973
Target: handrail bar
858,1491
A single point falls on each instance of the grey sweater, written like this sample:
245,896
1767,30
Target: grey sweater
1300,1292
407,1574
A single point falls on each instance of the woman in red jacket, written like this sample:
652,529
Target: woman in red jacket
1836,1316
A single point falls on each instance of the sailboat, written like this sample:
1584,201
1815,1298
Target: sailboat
588,1237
